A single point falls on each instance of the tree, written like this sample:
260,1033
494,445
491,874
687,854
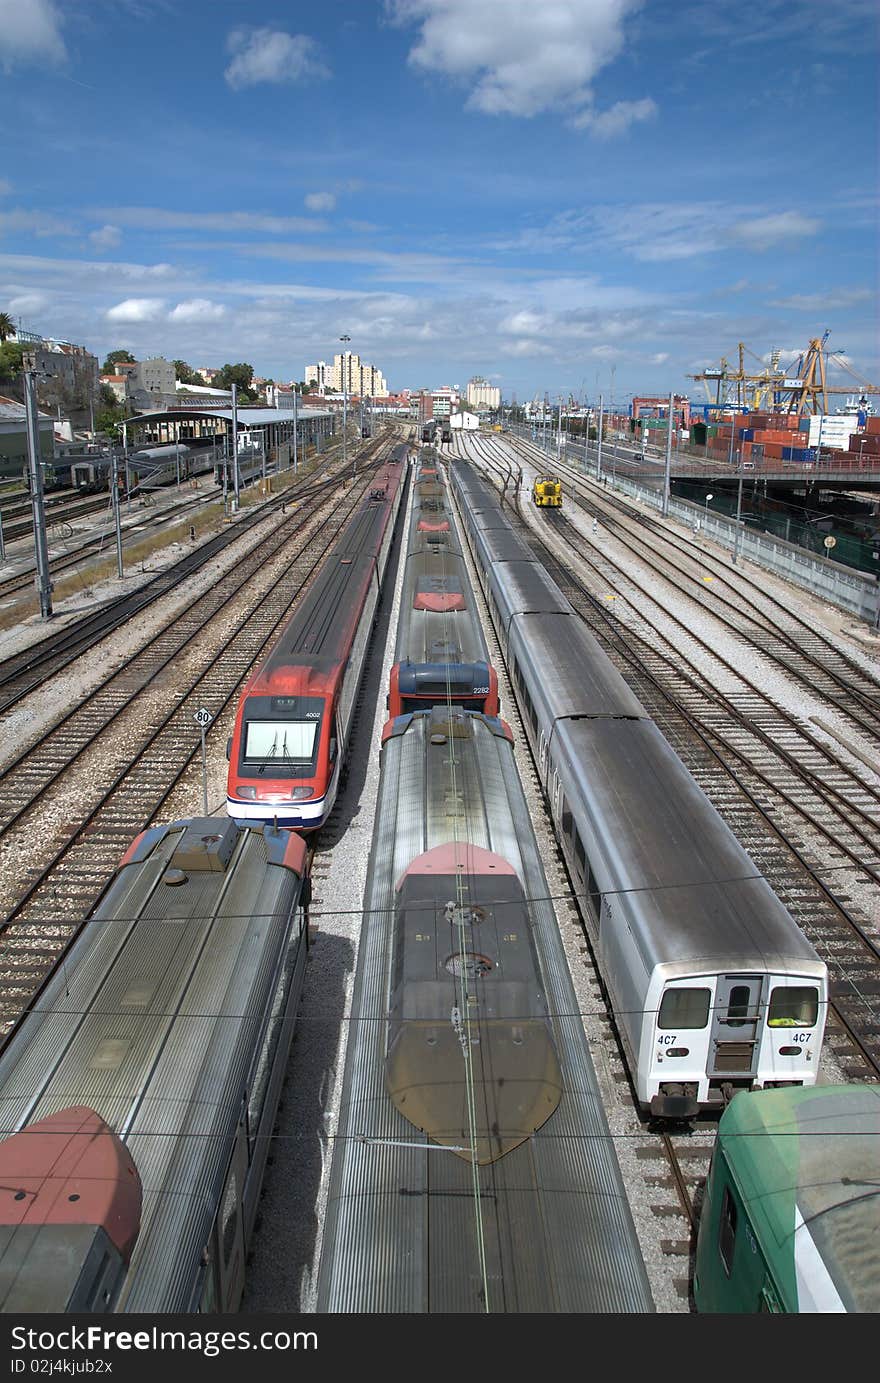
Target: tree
11,353
241,376
114,358
7,327
184,374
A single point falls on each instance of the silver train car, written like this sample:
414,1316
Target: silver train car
167,1030
473,1168
441,653
250,468
484,1081
712,984
152,467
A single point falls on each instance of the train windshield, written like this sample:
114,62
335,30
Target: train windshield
292,741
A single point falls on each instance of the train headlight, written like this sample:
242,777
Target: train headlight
300,794
676,1051
247,794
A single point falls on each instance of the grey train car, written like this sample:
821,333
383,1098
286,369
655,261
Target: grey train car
441,653
473,1168
90,474
170,1023
154,466
251,467
713,986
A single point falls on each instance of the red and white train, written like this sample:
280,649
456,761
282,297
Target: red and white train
294,716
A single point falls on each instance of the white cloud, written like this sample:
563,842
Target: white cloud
271,55
107,238
197,310
320,201
520,57
135,310
28,302
158,218
38,222
763,232
30,33
617,119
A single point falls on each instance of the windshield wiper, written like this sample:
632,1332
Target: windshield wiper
270,755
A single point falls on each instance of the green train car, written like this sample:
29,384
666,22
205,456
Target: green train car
791,1216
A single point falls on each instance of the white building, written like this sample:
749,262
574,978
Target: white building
481,394
465,421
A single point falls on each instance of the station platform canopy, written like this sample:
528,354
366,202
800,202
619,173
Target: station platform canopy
247,417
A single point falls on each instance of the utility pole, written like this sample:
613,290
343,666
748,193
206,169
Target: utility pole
295,458
235,444
668,468
35,470
599,450
125,459
117,520
739,504
344,340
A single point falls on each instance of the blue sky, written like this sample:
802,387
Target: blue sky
561,195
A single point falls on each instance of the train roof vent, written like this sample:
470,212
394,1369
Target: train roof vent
205,846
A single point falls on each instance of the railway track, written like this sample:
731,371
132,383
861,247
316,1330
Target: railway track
99,544
75,800
754,617
67,508
805,829
29,669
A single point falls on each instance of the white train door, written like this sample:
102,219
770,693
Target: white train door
735,1038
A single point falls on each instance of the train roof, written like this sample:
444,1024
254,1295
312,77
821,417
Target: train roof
155,1021
319,634
806,1163
576,677
399,1219
653,834
526,588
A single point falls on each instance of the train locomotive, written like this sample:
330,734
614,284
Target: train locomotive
294,715
790,1220
485,1178
713,986
547,492
440,653
138,1096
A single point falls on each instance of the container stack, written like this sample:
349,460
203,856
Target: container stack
785,437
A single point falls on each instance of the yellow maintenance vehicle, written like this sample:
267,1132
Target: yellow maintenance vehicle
547,491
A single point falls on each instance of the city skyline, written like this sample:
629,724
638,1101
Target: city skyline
577,197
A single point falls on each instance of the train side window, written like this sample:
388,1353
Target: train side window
208,1299
594,891
727,1231
794,1006
580,854
230,1217
684,1008
567,819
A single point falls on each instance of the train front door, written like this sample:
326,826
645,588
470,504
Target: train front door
736,1027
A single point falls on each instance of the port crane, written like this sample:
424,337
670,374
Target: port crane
803,391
